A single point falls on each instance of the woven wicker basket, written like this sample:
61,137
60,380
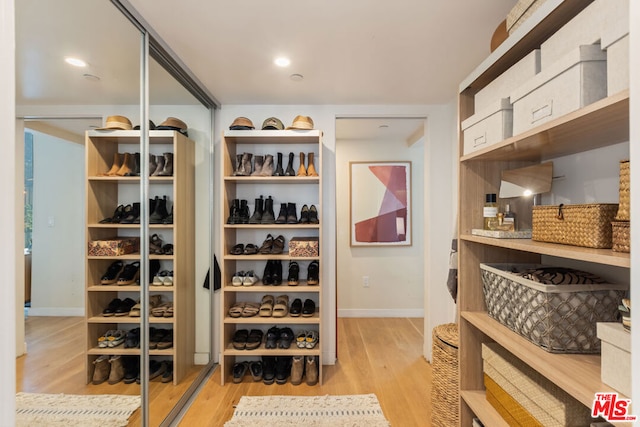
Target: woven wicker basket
557,318
625,192
444,390
509,408
621,236
587,225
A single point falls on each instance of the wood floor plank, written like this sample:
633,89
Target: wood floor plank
381,356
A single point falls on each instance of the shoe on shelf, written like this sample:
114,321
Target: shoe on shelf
132,340
313,272
116,373
278,245
112,274
112,307
118,215
130,273
297,369
116,165
301,339
250,249
294,273
283,369
282,215
286,338
167,377
125,307
309,308
238,278
267,245
313,215
255,368
304,215
101,368
131,368
266,306
273,335
240,338
156,369
311,370
268,369
296,308
311,339
254,340
281,306
131,212
239,370
249,278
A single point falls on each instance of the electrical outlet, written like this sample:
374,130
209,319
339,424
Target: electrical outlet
365,281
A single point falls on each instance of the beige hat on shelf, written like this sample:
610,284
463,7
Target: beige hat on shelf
302,123
241,123
172,124
117,122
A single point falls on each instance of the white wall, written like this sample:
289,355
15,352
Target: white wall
11,218
57,280
396,274
438,197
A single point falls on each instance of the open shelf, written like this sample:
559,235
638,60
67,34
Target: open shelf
302,287
478,403
129,319
263,351
128,351
256,320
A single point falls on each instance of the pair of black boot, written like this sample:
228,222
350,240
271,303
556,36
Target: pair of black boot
263,213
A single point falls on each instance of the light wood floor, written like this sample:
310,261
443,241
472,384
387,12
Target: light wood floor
381,356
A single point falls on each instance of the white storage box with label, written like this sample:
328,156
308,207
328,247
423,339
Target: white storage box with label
588,27
487,127
615,369
577,80
502,86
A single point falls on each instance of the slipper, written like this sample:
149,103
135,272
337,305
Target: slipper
116,338
166,341
266,245
250,249
240,338
254,340
161,309
169,311
103,341
250,309
311,339
266,307
135,310
236,309
281,307
237,249
301,339
239,369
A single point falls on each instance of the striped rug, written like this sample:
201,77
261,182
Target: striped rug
361,410
65,410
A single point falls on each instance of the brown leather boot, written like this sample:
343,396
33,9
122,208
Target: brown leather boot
117,370
127,165
101,370
302,171
312,370
117,163
311,170
297,368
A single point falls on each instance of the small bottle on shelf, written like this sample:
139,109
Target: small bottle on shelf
490,211
509,217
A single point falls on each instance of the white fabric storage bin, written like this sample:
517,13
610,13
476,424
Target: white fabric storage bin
487,127
588,27
577,80
615,369
502,86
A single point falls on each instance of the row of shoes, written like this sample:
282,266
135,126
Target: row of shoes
271,306
276,337
114,369
264,214
263,165
279,369
128,164
121,274
163,278
128,307
273,275
159,338
271,245
130,213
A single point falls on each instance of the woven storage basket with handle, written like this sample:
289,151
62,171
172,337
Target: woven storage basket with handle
625,192
587,225
444,390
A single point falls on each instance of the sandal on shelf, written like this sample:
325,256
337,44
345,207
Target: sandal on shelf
167,249
250,309
116,338
278,245
135,310
266,307
236,309
161,309
169,311
129,274
281,307
103,341
301,339
250,249
112,274
254,340
166,341
237,249
155,245
239,370
240,338
266,245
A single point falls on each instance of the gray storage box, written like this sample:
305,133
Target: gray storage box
577,80
487,127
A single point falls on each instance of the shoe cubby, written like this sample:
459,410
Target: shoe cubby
286,200
171,255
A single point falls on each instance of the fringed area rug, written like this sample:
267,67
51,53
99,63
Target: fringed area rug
53,410
360,410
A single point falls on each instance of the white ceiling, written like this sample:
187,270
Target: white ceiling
349,51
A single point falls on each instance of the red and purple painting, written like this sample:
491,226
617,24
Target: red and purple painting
380,203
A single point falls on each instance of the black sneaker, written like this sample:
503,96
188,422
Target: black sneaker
273,335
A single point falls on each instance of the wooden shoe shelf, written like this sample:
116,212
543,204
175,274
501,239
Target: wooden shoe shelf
598,125
293,189
103,195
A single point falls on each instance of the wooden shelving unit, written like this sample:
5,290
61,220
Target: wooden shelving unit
297,189
103,194
598,125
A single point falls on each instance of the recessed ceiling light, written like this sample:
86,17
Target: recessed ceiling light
282,61
75,62
296,77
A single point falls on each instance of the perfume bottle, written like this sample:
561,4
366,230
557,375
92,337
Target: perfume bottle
509,218
490,211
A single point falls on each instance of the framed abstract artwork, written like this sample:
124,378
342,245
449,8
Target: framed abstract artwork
380,203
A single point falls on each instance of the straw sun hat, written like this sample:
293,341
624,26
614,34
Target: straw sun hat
117,122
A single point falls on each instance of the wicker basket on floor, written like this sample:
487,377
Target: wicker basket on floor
444,390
